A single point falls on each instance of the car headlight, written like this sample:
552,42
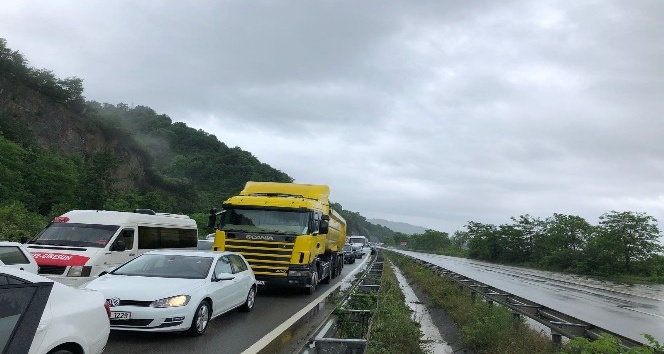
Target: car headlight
79,271
299,273
175,301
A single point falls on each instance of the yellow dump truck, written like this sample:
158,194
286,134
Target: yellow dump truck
287,232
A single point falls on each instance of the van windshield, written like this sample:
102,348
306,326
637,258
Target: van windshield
81,235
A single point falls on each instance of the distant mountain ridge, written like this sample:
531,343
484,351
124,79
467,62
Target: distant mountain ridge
402,227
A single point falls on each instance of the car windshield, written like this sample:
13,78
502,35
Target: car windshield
277,221
347,248
167,266
71,234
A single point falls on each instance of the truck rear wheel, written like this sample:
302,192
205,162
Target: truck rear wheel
330,269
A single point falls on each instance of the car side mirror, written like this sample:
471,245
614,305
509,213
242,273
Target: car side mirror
24,239
223,276
119,246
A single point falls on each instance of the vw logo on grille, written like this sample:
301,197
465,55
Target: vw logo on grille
113,302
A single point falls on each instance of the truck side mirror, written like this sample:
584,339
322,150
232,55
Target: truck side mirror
212,219
324,226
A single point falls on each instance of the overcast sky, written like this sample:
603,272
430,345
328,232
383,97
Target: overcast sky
434,113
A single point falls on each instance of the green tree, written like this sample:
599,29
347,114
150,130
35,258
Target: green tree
484,242
98,180
12,157
430,240
628,237
513,244
16,221
531,230
50,179
565,240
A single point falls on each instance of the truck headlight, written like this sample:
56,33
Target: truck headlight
174,301
299,273
79,271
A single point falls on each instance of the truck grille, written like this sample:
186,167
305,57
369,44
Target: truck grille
54,270
265,257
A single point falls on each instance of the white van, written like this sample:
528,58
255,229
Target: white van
80,244
358,241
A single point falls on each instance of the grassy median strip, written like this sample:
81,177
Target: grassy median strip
485,329
392,329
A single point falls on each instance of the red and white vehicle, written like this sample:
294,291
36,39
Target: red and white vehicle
79,245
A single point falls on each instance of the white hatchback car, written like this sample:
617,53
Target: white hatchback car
176,290
40,316
15,255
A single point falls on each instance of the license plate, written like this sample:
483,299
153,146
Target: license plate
120,315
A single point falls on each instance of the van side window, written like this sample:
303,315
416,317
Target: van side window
164,237
127,236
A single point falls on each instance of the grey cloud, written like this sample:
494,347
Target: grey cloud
434,113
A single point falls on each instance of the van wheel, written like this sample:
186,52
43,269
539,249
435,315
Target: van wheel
201,319
251,300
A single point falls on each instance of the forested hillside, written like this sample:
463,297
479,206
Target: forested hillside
60,152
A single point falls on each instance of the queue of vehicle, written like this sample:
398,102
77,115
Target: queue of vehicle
151,278
141,270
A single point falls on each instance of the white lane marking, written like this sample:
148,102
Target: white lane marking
263,342
639,311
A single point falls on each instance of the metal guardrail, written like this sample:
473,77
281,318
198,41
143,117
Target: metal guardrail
560,324
346,330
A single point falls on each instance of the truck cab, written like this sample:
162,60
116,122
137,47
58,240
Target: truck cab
287,232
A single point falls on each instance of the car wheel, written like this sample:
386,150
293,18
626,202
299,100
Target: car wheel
251,300
61,351
201,319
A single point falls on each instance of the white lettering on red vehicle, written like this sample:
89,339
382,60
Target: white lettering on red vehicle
59,259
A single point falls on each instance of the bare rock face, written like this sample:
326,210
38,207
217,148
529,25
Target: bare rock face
59,128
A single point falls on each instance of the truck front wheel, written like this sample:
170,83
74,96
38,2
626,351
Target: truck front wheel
314,282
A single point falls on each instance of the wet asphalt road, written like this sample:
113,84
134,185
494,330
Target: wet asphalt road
231,333
626,310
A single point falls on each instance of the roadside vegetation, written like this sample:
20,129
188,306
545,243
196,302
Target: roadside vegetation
623,246
392,329
492,329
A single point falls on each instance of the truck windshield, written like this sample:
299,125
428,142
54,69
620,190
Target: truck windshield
81,235
254,220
